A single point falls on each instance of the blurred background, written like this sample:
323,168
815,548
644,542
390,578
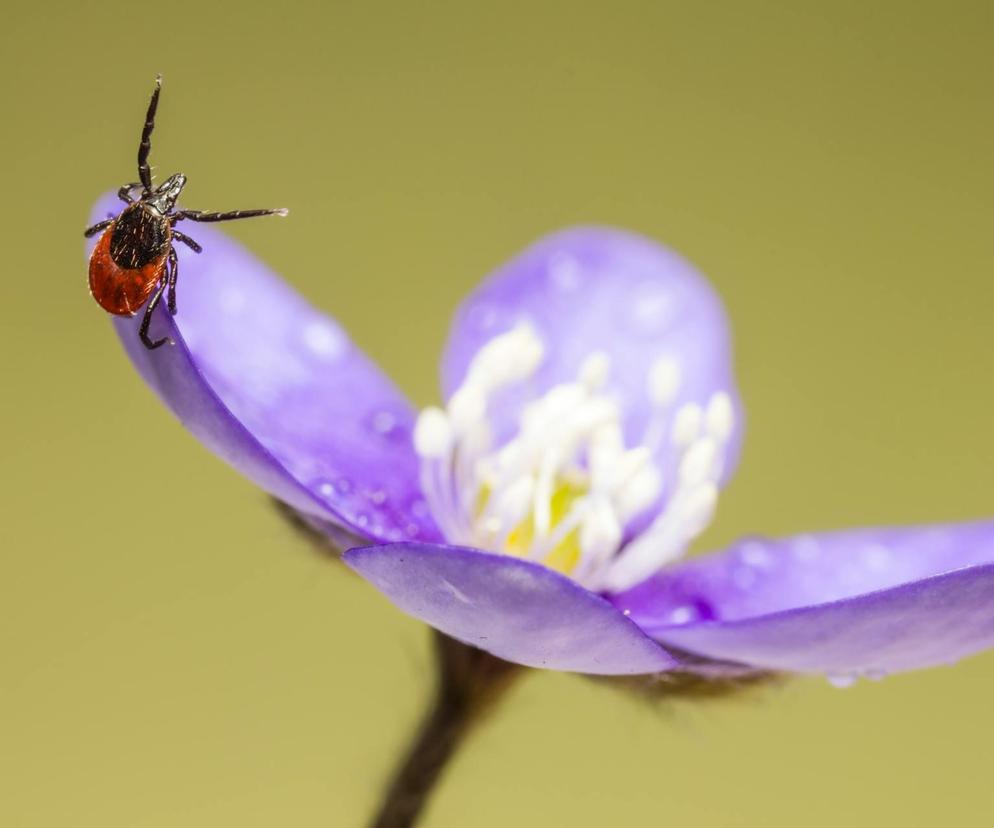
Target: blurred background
171,654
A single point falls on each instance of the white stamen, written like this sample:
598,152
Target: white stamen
466,408
562,446
687,424
640,493
595,370
434,442
664,381
475,444
565,489
432,434
601,532
510,506
698,508
720,417
689,508
663,386
654,548
509,357
700,464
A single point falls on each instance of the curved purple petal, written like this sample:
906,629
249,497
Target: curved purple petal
278,390
592,289
514,609
859,602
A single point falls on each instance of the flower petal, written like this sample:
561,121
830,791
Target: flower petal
859,602
278,390
514,609
594,289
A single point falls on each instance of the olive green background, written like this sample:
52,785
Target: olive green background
170,654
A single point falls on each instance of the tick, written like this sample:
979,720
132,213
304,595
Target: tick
134,262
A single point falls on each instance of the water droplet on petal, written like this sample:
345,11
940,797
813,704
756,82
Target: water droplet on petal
564,272
841,680
383,422
324,339
482,316
805,548
682,615
344,486
386,424
755,554
876,557
691,611
652,310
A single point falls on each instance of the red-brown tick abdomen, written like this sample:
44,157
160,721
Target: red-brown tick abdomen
119,290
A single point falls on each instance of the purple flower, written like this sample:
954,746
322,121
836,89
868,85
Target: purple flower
591,419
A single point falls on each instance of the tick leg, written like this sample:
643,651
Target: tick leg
125,192
147,319
197,215
144,171
173,273
196,248
100,225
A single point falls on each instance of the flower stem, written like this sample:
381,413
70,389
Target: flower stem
468,683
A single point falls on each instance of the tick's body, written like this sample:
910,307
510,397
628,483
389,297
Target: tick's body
134,262
130,259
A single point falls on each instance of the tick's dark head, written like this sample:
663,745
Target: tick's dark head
165,195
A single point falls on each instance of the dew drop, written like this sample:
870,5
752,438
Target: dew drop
344,486
324,339
755,554
696,609
876,558
378,497
805,548
682,615
482,316
841,680
385,424
564,272
652,311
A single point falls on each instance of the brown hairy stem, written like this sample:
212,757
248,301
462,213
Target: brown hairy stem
468,683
